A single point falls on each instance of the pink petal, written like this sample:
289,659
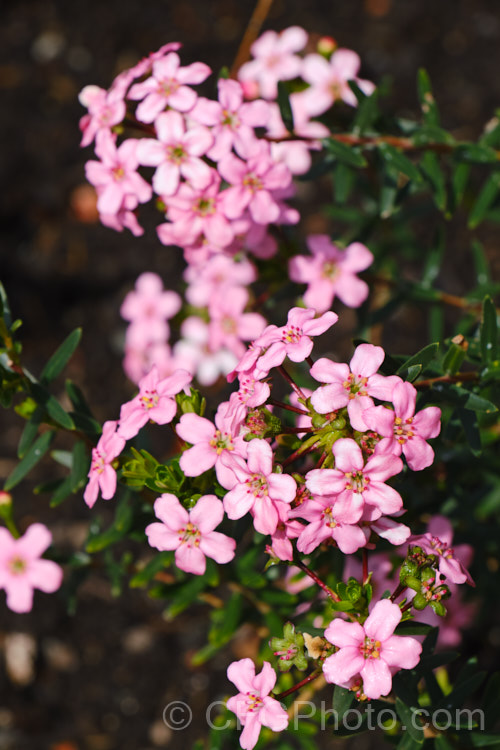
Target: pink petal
348,455
377,679
241,673
198,459
367,359
266,680
169,510
341,666
342,633
45,575
218,546
382,621
399,651
191,559
207,514
194,429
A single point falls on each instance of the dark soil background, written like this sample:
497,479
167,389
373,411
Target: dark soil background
99,681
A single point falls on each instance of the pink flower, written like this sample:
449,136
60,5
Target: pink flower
295,153
253,705
167,86
326,521
281,545
274,60
115,176
22,570
192,534
252,184
370,650
352,385
357,484
232,121
294,339
176,153
195,213
102,476
210,445
106,108
192,352
148,308
257,489
449,563
403,431
331,272
214,276
154,402
329,80
229,326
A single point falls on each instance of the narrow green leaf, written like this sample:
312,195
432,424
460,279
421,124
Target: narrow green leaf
397,160
480,263
6,314
62,493
80,466
285,106
77,398
32,457
468,399
367,111
462,691
434,260
459,180
144,576
349,155
30,431
52,406
342,701
410,721
61,357
452,360
422,357
441,743
426,97
431,169
479,739
476,153
484,200
489,332
472,432
343,181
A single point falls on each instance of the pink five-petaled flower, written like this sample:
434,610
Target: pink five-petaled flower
229,325
148,307
329,80
167,86
370,650
22,570
293,340
326,521
352,385
357,484
115,176
258,490
154,401
252,184
176,153
102,476
253,705
192,534
210,443
106,108
331,272
274,59
449,564
232,121
403,430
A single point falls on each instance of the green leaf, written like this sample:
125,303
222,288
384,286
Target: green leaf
77,399
426,97
342,701
422,358
479,739
480,263
468,399
459,180
32,457
5,307
472,432
410,721
397,160
30,431
154,566
441,743
61,357
61,493
344,178
52,406
79,466
116,532
366,113
461,691
452,360
285,106
484,200
476,153
431,168
345,154
407,742
489,332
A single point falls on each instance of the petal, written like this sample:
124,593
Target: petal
340,667
20,595
34,542
399,651
45,575
266,680
260,457
195,429
162,538
191,559
326,371
207,514
219,547
169,510
329,398
367,359
377,678
198,459
342,633
242,673
348,455
382,621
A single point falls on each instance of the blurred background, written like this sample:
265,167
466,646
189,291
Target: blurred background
99,680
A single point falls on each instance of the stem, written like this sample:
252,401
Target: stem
294,430
289,407
365,566
313,676
310,361
291,382
318,581
397,591
407,606
458,378
405,144
142,126
251,33
304,448
321,460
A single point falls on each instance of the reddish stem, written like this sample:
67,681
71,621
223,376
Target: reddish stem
291,382
310,361
294,430
251,33
314,675
397,591
296,454
318,580
458,378
289,407
365,566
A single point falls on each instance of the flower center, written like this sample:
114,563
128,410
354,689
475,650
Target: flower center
403,430
292,335
330,270
257,484
222,441
176,154
204,207
189,535
370,648
441,548
168,86
149,400
355,385
328,517
98,461
17,565
254,702
230,119
228,325
118,173
253,182
356,481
